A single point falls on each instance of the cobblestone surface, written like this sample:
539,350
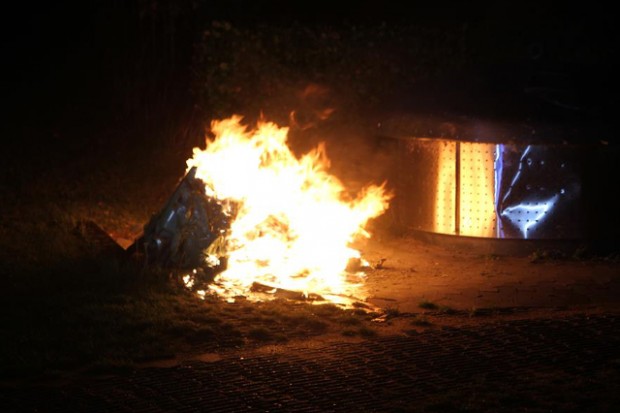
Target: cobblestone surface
555,364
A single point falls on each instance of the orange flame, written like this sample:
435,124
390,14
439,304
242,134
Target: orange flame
293,225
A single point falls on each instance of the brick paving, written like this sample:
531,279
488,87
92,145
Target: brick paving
570,363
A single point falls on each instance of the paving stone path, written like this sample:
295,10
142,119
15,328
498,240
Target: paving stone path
534,365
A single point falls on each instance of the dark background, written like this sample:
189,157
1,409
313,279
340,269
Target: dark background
75,69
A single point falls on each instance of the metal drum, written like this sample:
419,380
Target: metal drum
514,190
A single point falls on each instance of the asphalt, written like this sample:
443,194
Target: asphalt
507,334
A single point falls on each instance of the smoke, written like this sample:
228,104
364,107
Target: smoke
357,154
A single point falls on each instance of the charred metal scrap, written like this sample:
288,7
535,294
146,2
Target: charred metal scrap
188,225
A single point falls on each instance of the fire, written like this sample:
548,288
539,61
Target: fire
293,224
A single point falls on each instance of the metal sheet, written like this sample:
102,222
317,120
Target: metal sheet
491,190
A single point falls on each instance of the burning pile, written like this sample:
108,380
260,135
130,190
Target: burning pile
276,221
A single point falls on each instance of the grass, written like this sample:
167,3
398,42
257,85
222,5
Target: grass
61,321
440,309
581,253
392,312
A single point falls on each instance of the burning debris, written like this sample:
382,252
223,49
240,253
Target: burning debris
180,235
252,218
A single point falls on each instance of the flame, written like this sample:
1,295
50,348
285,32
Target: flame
292,222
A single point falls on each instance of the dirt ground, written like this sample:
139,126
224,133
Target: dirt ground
420,276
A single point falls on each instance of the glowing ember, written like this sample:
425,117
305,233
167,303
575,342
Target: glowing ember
292,223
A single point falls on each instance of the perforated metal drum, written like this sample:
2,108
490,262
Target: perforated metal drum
512,190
